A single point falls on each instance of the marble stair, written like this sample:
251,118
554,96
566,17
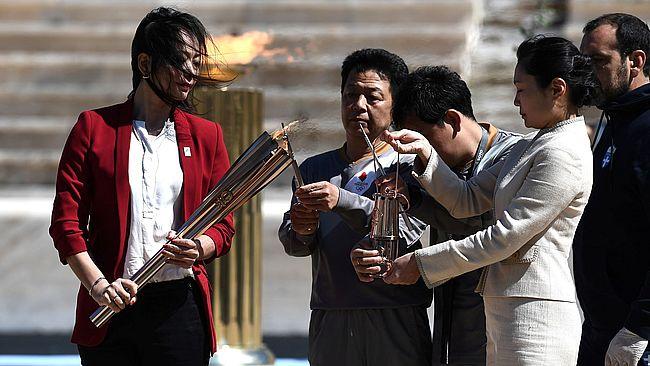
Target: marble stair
59,58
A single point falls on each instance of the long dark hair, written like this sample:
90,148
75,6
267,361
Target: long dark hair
160,35
547,58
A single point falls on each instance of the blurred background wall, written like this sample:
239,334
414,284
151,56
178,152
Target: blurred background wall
59,57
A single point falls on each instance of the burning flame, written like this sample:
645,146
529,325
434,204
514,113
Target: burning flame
229,51
279,134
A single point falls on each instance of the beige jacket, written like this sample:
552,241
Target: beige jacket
538,193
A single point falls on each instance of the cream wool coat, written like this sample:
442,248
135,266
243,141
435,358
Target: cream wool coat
539,193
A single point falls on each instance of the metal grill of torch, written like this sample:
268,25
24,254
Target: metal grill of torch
250,173
384,220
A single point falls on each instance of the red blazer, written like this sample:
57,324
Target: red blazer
92,201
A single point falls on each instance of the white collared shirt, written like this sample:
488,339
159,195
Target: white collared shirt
156,180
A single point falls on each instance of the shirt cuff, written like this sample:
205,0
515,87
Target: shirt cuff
70,246
427,258
431,167
418,260
347,200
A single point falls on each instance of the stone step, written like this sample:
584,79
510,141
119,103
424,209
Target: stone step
235,13
435,39
34,166
494,57
23,132
510,14
582,11
57,59
110,71
282,103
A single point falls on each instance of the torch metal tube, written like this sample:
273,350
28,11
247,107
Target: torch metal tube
294,164
246,177
146,273
381,171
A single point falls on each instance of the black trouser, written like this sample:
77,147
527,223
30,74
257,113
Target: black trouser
399,336
166,326
459,336
594,343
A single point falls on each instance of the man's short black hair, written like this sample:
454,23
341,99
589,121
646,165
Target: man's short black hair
429,92
632,34
387,65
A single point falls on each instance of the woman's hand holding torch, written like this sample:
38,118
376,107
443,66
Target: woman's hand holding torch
116,295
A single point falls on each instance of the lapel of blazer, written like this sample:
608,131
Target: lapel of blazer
124,121
189,162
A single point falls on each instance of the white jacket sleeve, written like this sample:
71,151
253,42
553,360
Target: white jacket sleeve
550,186
461,198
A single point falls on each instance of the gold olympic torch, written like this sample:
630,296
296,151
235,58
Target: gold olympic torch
258,166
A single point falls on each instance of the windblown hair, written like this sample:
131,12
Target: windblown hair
160,35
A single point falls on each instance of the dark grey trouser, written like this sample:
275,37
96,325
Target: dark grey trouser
459,322
398,336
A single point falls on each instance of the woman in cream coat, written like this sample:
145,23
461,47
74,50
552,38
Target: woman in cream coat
538,193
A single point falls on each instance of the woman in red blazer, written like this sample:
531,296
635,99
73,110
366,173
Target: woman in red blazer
129,174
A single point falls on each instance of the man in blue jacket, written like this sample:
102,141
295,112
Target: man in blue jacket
612,242
354,323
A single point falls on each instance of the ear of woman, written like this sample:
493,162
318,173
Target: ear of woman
144,64
558,87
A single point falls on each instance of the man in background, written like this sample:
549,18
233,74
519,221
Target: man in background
354,323
611,248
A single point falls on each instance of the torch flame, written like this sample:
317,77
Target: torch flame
226,52
279,134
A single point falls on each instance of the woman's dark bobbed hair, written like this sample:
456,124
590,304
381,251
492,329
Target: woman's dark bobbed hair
547,58
160,35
